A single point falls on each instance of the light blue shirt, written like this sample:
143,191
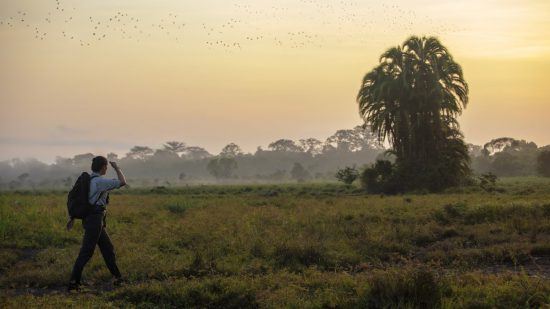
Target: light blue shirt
100,187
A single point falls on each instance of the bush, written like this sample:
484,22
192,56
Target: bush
488,182
347,175
380,178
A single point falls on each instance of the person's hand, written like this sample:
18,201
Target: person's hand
70,224
114,165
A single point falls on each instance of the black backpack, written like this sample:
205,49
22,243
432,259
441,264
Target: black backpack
77,200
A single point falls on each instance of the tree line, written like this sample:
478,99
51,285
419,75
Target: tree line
176,163
283,160
507,156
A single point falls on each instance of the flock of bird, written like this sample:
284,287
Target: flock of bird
251,24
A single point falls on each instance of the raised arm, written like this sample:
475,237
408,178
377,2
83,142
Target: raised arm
119,173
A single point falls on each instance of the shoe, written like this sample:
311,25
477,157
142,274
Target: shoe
73,286
119,282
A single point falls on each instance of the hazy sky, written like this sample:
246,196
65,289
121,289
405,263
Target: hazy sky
101,76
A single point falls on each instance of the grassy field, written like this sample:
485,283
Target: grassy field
301,246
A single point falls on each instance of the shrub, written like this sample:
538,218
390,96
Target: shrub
488,182
380,178
347,175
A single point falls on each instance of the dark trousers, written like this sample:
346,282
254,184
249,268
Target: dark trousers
95,234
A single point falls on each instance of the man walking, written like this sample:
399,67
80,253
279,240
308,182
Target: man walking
94,225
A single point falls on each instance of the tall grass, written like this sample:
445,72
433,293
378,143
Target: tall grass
287,246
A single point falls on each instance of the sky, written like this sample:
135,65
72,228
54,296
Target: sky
103,76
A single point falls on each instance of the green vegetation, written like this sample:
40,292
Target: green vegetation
300,245
347,175
412,99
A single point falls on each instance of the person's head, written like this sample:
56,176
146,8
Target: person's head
99,165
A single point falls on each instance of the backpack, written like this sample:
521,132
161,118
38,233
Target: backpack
77,200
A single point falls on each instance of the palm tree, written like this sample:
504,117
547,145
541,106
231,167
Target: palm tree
174,146
412,99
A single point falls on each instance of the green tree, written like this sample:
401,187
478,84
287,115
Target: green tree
222,167
284,145
412,99
140,153
195,153
231,150
356,139
506,156
312,146
175,147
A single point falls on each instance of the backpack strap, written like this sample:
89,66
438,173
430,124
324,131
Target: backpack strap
98,198
100,193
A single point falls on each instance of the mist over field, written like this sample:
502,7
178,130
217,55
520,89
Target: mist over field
177,164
